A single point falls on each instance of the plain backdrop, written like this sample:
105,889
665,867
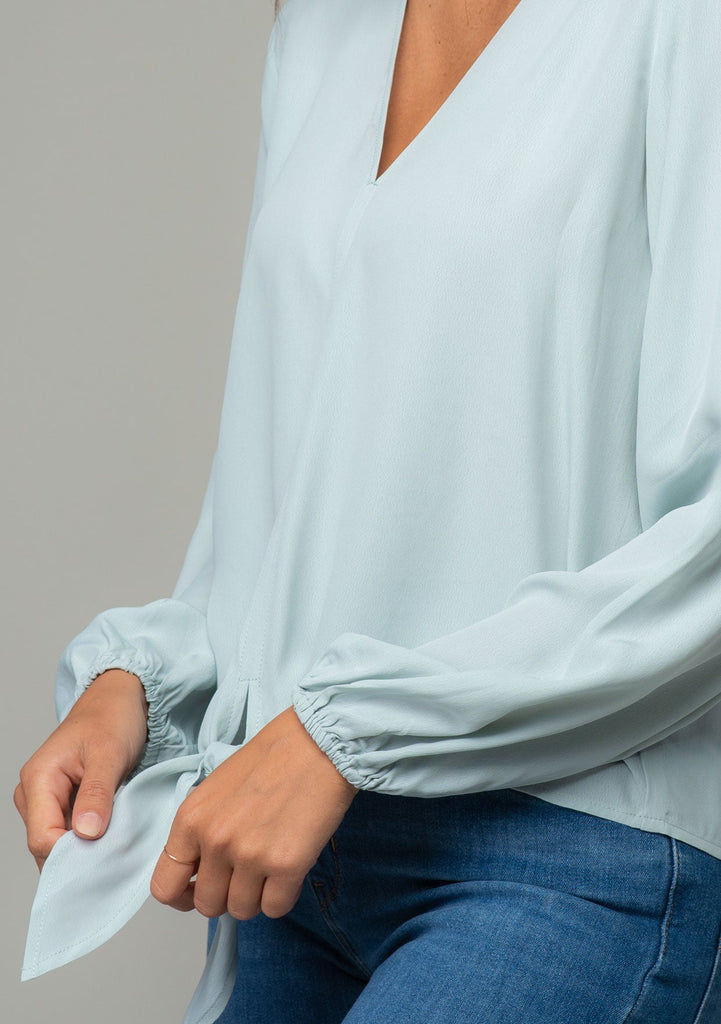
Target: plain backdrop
129,139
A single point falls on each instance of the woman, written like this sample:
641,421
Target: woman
433,716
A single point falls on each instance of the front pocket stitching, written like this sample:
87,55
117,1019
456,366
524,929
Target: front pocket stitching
666,923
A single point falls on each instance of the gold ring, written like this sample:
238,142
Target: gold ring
190,863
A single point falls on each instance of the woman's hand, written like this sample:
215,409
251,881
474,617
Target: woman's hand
255,826
69,782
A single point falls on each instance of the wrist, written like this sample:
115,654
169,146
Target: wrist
120,679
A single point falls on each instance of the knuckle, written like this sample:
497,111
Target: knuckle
290,860
206,908
160,892
280,863
28,771
250,855
275,909
279,899
37,846
241,911
96,788
219,842
188,816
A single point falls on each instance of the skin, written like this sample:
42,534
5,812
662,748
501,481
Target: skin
254,827
81,764
439,41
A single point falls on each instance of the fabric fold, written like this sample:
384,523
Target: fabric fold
89,888
218,978
591,661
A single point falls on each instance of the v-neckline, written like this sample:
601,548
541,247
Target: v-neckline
501,31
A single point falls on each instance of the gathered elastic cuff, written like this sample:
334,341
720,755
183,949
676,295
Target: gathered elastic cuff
163,739
312,710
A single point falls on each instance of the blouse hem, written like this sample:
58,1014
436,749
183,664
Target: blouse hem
646,822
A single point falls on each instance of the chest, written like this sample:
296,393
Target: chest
437,46
440,152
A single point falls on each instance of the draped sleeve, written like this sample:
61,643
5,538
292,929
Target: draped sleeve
166,642
582,668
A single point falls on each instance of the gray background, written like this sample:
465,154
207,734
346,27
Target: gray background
129,138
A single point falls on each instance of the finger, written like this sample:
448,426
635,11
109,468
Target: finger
280,894
173,886
21,804
94,799
20,801
47,796
244,893
211,887
186,901
171,880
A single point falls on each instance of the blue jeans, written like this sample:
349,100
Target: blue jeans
488,908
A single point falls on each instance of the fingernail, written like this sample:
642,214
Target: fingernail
89,823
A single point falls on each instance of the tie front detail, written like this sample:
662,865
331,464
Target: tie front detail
89,888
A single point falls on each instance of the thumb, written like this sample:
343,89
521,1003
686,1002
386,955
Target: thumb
94,801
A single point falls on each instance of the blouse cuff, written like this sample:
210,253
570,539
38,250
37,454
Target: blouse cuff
163,738
318,718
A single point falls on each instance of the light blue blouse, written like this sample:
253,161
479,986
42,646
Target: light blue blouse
465,508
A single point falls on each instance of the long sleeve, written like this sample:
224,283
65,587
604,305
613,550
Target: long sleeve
88,891
166,642
582,668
